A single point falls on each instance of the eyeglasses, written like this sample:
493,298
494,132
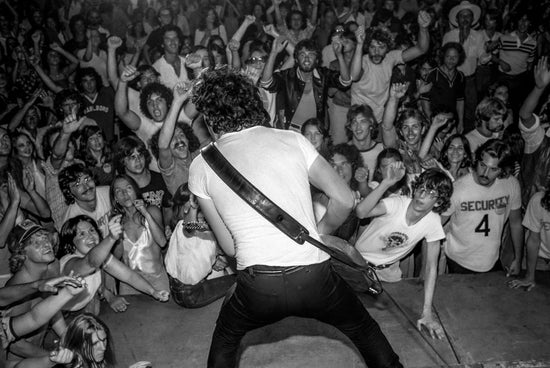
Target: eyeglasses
256,60
431,193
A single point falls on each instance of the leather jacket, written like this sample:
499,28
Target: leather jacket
290,88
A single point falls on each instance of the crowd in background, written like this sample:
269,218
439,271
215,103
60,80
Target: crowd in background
432,107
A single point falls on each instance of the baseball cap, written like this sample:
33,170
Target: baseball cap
22,232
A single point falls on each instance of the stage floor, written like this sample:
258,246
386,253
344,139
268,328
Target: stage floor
487,325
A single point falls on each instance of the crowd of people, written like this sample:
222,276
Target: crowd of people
421,125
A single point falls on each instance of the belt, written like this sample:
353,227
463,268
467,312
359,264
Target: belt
379,267
272,270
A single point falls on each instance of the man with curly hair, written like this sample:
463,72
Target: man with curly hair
371,73
175,145
400,223
277,277
482,202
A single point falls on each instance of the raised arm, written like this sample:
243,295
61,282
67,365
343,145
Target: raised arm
70,125
181,93
113,43
278,17
344,70
542,79
45,77
67,55
97,256
18,117
371,206
128,117
423,44
279,45
357,61
389,134
438,122
11,205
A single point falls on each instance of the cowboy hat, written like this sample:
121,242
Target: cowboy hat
464,5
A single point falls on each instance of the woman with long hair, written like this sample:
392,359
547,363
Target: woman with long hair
143,235
83,252
456,156
91,343
209,25
97,155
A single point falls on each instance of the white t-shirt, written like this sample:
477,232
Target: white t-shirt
99,63
373,88
478,214
101,213
476,139
537,219
389,238
168,75
277,162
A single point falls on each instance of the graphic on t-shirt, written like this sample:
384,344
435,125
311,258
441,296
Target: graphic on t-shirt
154,197
395,240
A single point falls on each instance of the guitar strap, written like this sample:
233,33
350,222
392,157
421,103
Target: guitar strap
282,220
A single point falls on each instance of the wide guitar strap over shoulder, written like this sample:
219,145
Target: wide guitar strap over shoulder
339,250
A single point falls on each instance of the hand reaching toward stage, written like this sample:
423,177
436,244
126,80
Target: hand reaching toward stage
434,328
128,73
398,90
526,283
161,295
394,172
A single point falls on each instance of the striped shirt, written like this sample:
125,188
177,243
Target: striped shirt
517,53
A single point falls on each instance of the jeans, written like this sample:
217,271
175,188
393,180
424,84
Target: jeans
201,294
265,295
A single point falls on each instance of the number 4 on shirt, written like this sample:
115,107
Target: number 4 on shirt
483,226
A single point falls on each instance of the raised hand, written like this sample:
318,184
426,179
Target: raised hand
193,61
13,190
542,73
439,121
114,42
115,227
56,47
233,45
360,34
337,45
398,90
249,19
161,295
129,73
361,174
71,123
394,172
424,19
182,90
28,180
424,87
270,30
279,44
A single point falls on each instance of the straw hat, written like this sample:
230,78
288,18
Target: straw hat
464,5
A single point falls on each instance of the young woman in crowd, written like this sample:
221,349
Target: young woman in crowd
143,235
83,252
97,155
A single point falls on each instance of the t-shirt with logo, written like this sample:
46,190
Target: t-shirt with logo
478,214
102,110
156,193
389,238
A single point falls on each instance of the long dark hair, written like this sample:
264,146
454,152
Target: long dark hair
117,208
86,156
78,338
444,158
68,232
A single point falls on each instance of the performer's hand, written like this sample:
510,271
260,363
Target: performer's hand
527,284
61,356
433,327
142,364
